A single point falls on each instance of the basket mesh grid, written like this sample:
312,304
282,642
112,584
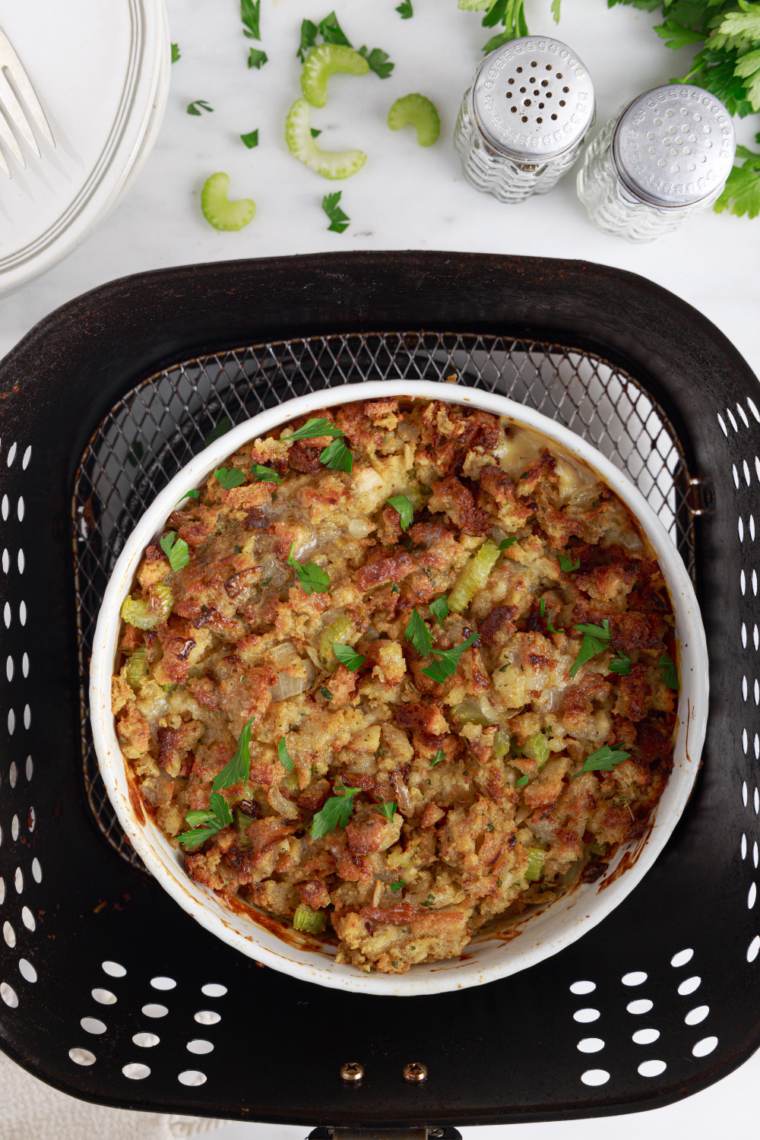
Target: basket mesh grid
157,427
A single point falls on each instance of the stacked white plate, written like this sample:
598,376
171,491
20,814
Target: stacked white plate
101,73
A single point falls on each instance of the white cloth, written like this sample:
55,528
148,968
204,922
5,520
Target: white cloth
32,1110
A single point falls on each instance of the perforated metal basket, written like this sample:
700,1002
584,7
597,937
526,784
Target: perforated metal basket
111,992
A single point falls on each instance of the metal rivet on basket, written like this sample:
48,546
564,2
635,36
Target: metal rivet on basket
415,1072
435,1133
352,1071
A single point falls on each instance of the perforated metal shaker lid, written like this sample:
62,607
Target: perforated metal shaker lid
533,98
674,145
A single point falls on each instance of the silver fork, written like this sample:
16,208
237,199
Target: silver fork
10,106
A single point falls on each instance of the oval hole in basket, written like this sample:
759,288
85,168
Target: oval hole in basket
154,1010
199,1046
28,919
594,1077
207,1017
586,1015
689,985
192,1078
652,1068
13,774
590,1045
162,983
136,1072
9,934
214,990
9,995
27,970
581,988
641,1005
18,880
104,997
681,958
82,1056
36,870
636,978
645,1036
27,457
753,948
694,1016
146,1040
93,1025
2,890
705,1046
113,969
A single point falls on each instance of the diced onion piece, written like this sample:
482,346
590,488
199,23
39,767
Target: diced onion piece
341,164
137,668
501,744
308,920
340,631
418,112
288,686
536,748
473,577
324,61
535,868
360,527
285,807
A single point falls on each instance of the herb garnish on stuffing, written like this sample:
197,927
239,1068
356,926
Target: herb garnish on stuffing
404,692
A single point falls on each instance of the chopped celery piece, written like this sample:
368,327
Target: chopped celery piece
535,868
333,165
472,711
137,668
501,744
150,614
311,921
473,577
596,848
324,61
290,781
339,630
416,111
221,213
536,748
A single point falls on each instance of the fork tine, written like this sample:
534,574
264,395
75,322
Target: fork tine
8,137
9,59
4,165
14,111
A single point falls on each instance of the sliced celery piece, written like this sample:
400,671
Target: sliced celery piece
471,711
312,921
333,165
473,577
501,744
536,748
148,614
535,868
221,213
137,668
324,61
340,630
416,111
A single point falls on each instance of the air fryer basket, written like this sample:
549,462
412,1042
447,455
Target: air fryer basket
115,995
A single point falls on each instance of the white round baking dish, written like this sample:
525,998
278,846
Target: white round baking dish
488,957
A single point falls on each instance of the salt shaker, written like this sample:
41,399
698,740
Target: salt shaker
521,124
661,159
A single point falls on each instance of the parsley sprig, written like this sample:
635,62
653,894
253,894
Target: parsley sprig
440,755
224,425
542,611
338,219
239,767
197,106
405,10
335,813
251,140
284,756
404,508
176,54
567,563
440,609
347,656
265,474
523,781
229,478
312,577
331,32
206,824
336,455
250,12
603,760
417,632
669,672
447,660
257,58
595,640
195,494
176,550
388,810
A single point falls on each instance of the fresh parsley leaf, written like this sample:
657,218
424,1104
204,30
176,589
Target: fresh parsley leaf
555,10
239,767
522,781
347,656
440,755
250,11
196,107
440,609
265,474
505,545
176,550
742,191
595,639
603,760
313,429
542,611
251,140
338,220
309,32
448,659
189,495
388,810
221,429
284,756
229,478
621,664
417,633
135,453
567,564
312,577
315,133
197,836
396,887
257,58
332,33
405,10
326,693
670,673
337,456
335,813
377,61
176,57
405,510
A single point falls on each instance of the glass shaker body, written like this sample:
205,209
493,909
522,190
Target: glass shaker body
521,124
659,161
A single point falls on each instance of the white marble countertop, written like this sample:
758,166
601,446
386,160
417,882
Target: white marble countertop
405,198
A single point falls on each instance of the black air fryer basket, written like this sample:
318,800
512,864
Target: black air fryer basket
110,991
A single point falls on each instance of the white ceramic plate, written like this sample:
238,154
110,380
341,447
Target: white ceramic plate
545,932
99,70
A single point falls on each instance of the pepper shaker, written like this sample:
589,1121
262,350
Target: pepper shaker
522,123
660,160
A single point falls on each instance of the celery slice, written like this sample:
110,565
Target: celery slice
137,668
535,868
221,213
144,614
311,921
340,630
416,111
536,748
501,744
333,165
324,61
471,711
473,577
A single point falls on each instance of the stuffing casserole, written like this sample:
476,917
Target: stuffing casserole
402,674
